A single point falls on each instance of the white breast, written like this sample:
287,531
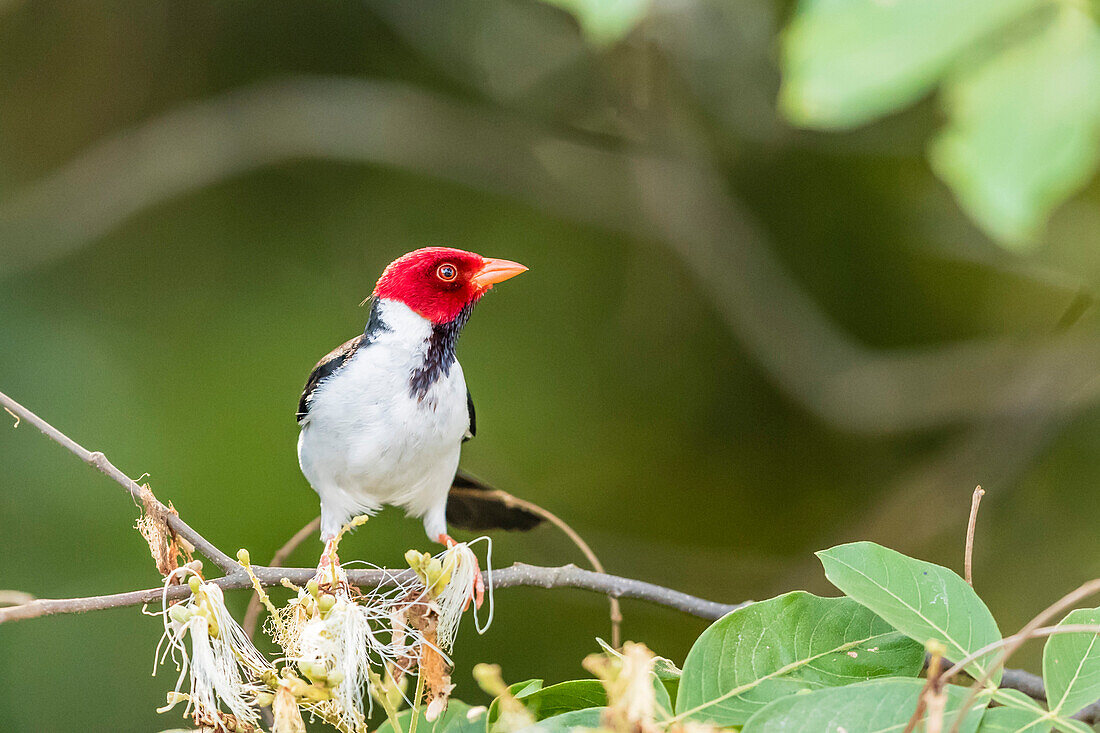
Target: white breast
368,441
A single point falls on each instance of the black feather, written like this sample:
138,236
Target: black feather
339,356
440,354
476,506
472,430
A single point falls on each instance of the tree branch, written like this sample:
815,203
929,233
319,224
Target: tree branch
567,576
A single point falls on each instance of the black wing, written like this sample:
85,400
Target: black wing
325,368
340,355
476,506
472,430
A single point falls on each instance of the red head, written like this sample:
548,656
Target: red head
438,282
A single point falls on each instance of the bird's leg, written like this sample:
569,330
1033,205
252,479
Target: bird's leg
329,564
477,591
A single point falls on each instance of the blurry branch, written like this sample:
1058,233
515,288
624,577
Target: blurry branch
519,574
683,203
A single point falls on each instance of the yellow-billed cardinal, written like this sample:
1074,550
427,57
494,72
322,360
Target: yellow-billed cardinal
384,415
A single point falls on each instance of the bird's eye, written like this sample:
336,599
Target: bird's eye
446,272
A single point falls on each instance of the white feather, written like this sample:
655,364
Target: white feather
369,442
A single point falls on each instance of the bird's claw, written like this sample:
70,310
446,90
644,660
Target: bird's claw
478,591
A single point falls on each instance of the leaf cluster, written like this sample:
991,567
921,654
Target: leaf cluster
799,662
1020,83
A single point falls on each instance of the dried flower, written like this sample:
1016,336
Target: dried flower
628,679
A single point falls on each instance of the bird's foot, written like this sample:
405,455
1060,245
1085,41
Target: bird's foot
329,571
477,590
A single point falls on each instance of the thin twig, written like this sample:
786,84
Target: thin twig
566,576
616,612
1018,639
252,615
1032,686
417,697
931,683
387,703
1014,641
968,557
99,461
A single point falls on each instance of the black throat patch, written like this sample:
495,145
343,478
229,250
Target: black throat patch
440,354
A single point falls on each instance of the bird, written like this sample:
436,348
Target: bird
384,415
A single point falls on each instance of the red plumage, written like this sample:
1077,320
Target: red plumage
421,281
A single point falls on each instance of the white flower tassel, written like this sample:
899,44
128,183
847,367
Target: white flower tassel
460,563
223,666
337,640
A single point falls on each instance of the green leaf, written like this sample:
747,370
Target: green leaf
547,702
1013,720
922,600
565,697
1071,665
518,690
525,688
795,642
453,720
876,706
1069,725
1024,714
1025,128
566,722
605,21
663,697
845,62
1018,700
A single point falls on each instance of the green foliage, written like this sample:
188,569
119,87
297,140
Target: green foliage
1071,665
876,706
1025,128
846,62
1011,720
588,718
807,664
605,21
518,690
1017,711
1021,82
563,697
925,601
779,647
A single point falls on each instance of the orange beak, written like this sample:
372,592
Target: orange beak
495,271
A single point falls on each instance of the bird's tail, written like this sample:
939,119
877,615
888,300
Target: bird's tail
475,506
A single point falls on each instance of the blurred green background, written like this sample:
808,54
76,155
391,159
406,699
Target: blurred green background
739,342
